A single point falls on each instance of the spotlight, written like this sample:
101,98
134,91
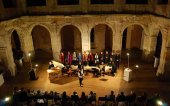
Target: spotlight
7,99
137,66
36,65
160,103
29,54
127,54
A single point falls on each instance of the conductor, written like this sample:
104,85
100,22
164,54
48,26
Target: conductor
80,75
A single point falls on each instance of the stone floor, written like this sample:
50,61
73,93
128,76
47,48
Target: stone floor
143,80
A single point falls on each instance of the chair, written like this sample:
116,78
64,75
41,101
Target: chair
101,100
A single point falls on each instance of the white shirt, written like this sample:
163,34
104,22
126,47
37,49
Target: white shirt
80,74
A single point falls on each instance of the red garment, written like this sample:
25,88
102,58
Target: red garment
90,57
62,58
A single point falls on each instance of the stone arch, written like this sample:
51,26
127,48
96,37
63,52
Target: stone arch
74,41
132,40
9,52
15,40
124,26
29,31
41,45
31,26
98,44
19,36
65,24
105,23
140,27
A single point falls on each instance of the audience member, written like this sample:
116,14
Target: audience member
91,97
74,98
121,98
64,98
111,97
83,99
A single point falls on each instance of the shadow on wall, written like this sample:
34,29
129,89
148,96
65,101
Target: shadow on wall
166,75
135,53
41,54
6,73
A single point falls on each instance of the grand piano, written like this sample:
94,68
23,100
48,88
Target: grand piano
56,72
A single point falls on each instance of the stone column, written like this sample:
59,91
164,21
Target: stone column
3,57
160,70
85,37
6,53
55,41
148,47
163,71
9,55
117,42
27,43
167,64
152,46
153,42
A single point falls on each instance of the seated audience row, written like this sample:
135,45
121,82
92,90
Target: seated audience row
39,98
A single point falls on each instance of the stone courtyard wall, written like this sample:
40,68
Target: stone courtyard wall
118,23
